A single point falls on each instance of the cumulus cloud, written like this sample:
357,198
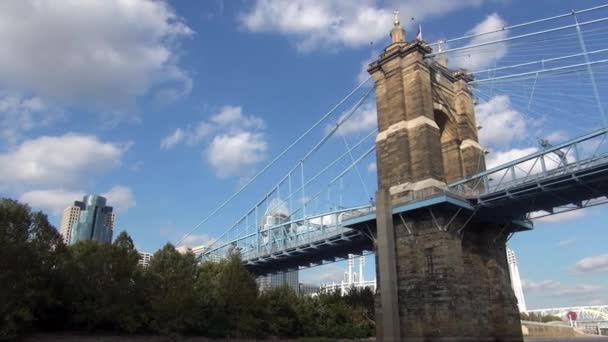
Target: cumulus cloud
371,167
52,200
566,242
233,154
318,24
475,59
20,114
363,120
235,142
557,218
363,74
596,263
99,54
119,197
501,124
502,157
540,285
578,290
55,161
555,288
173,139
194,240
325,274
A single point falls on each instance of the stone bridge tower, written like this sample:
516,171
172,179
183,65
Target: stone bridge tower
443,273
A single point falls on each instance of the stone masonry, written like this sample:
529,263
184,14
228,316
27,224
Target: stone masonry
449,279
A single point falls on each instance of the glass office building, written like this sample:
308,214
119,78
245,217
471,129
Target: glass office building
95,222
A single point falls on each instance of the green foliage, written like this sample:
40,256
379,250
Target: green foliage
281,312
101,286
534,317
31,258
550,318
96,286
172,298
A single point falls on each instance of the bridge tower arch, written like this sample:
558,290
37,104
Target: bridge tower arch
441,275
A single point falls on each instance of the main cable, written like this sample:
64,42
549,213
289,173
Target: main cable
263,170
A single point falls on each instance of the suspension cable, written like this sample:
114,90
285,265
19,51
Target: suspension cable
504,28
263,170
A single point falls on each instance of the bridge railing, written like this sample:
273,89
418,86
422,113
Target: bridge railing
582,152
287,234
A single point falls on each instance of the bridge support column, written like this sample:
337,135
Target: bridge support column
445,275
453,286
387,320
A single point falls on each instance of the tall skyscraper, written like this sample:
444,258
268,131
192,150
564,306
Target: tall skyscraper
69,218
197,250
291,279
94,220
516,280
144,258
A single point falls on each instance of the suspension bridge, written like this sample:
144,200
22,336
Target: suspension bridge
444,207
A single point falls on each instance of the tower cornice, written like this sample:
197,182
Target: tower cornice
398,50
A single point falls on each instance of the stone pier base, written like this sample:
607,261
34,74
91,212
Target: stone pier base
452,282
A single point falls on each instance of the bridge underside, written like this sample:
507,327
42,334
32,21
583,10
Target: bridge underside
360,237
311,254
566,186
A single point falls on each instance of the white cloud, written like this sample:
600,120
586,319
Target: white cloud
566,242
475,59
120,198
325,274
52,200
578,290
559,217
55,200
540,285
363,74
20,114
173,139
557,137
99,54
236,142
56,161
501,124
555,288
229,119
596,263
237,153
503,157
371,167
363,120
194,240
318,24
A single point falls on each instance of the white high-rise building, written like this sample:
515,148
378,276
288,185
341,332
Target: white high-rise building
196,249
69,218
144,259
516,280
291,279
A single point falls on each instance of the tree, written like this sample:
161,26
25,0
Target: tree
550,318
237,295
102,285
124,241
31,255
281,316
172,299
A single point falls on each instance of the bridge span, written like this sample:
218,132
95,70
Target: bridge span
541,181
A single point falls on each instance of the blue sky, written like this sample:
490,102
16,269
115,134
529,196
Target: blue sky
167,108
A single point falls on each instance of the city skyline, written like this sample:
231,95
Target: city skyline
186,104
